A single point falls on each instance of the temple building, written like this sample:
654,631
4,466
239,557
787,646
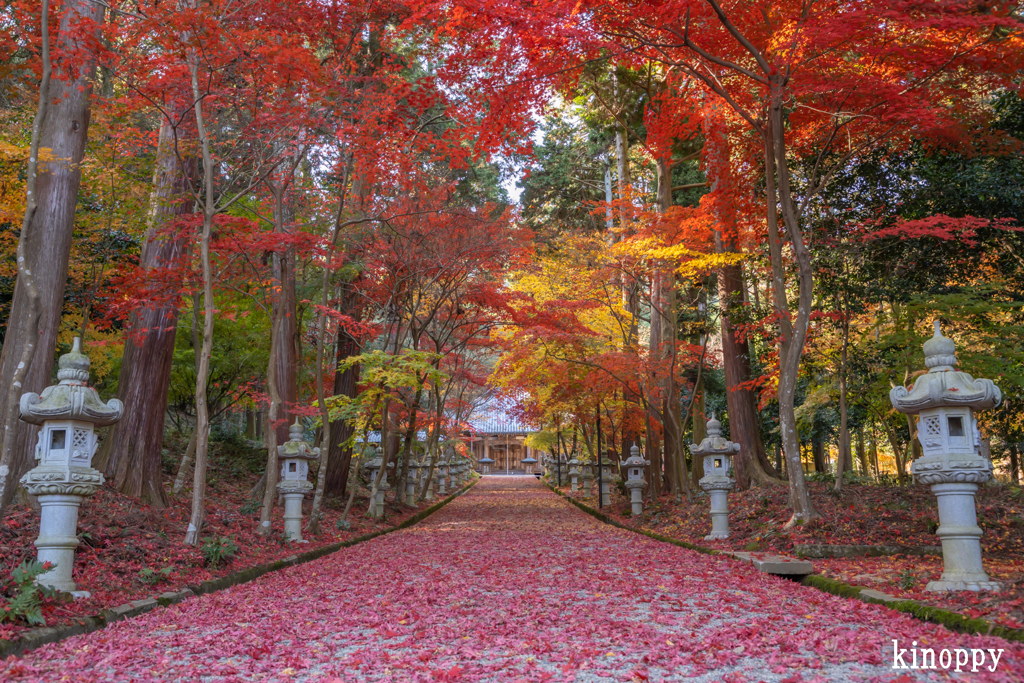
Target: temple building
494,433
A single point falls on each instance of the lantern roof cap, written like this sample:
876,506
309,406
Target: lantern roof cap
944,386
714,443
486,460
296,447
635,459
71,398
529,460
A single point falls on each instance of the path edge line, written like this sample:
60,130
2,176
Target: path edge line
926,613
36,638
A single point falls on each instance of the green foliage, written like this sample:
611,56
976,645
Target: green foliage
218,550
908,579
24,597
151,576
251,507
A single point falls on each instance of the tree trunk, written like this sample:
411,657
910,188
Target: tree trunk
186,462
818,452
751,463
845,455
134,443
34,321
699,422
346,383
195,525
792,336
862,455
874,453
1014,464
286,360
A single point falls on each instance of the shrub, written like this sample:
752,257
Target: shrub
907,579
24,596
218,550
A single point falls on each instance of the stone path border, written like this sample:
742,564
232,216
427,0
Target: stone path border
951,620
823,550
38,637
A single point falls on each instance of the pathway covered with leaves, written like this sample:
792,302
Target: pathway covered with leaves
510,583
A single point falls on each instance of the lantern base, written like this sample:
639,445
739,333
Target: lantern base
961,540
293,516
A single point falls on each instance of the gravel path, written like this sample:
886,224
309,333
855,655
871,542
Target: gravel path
510,583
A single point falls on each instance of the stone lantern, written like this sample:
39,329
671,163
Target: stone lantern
485,464
68,415
944,400
574,473
717,452
374,465
588,478
295,456
635,465
411,481
608,478
442,475
529,461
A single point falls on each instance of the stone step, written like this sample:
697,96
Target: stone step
769,563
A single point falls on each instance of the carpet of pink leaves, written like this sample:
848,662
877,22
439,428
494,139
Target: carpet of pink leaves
508,583
861,515
120,538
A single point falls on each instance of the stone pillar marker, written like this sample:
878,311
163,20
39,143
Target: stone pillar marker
293,485
951,463
717,452
574,472
635,465
68,414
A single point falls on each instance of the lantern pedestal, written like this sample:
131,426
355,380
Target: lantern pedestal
58,538
293,492
961,538
719,494
636,495
588,482
378,502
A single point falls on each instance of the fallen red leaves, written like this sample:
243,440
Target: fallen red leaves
862,515
120,538
508,583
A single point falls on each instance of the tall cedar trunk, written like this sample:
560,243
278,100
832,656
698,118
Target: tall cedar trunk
656,431
286,357
751,463
1014,463
699,429
47,247
818,452
134,443
671,418
346,383
862,455
792,336
845,453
